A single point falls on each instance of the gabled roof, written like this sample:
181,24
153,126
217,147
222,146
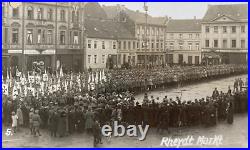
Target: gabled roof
106,29
235,11
94,10
184,25
138,17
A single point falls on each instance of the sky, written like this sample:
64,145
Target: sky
175,10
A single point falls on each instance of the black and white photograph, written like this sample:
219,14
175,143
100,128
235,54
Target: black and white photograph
124,74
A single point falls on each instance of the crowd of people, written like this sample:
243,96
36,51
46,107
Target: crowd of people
140,80
76,111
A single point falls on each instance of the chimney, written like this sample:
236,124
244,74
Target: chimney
194,17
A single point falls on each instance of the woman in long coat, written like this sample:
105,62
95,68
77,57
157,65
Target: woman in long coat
89,120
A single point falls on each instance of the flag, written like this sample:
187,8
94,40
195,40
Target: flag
96,78
5,89
89,79
45,77
31,79
93,78
8,77
15,92
61,72
18,74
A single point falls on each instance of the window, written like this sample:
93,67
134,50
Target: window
224,43
89,59
242,44
119,45
133,44
242,29
103,45
43,36
197,36
95,44
171,36
190,36
15,13
129,44
197,45
103,59
180,36
138,31
233,29
190,46
181,45
30,13
157,45
76,37
152,45
50,14
3,10
39,35
62,15
95,59
190,59
224,28
207,43
215,43
161,45
40,14
15,36
233,44
62,37
171,46
50,37
5,36
207,29
124,45
215,29
114,45
153,31
137,44
89,43
29,36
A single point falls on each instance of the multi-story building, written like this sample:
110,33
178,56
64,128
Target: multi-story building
182,41
149,32
109,43
225,34
48,32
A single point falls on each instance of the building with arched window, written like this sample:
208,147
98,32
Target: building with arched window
49,32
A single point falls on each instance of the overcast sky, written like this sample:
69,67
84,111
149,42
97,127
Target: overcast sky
176,10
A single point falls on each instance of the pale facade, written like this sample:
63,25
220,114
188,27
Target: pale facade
150,44
98,51
225,34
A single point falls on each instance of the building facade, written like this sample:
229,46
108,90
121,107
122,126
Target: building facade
148,31
182,42
225,34
151,47
108,44
51,33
